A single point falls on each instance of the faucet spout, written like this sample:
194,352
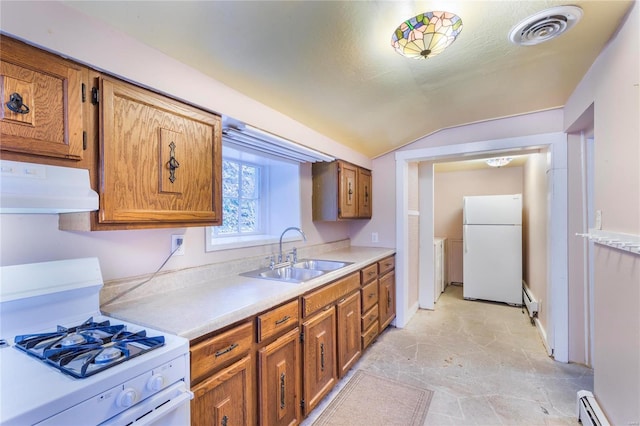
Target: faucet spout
291,228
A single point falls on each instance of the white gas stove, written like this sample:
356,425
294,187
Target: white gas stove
62,362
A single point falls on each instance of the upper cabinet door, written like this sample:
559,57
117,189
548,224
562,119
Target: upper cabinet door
348,192
160,160
364,193
41,110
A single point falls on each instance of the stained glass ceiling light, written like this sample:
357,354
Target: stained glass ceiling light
426,35
498,161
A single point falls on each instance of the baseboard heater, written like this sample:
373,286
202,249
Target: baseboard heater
530,302
589,412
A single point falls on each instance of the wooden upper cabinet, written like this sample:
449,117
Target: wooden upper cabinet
348,190
160,160
365,196
42,108
341,190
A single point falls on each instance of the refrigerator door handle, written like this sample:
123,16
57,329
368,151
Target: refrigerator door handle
464,238
464,211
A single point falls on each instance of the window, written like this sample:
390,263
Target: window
241,199
260,198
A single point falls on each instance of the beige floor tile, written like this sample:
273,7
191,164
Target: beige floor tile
484,361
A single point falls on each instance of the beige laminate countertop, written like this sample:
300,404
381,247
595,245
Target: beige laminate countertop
197,310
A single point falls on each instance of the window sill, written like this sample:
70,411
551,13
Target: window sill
229,243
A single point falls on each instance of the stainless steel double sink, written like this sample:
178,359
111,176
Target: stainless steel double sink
299,272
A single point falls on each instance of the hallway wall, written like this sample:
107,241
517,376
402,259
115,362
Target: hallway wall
612,86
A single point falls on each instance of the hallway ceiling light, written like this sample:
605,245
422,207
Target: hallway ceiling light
498,161
426,35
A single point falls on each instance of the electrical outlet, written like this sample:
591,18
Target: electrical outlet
177,245
374,237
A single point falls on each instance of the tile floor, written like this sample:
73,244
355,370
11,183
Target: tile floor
484,361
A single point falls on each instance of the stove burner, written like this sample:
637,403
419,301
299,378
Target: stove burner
72,340
107,355
88,348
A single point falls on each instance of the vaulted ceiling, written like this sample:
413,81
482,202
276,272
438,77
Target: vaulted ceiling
330,65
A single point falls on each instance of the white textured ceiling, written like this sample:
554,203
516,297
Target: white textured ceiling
330,66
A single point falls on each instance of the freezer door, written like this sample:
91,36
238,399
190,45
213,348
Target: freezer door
493,210
492,263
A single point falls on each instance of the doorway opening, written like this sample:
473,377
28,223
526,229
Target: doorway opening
556,333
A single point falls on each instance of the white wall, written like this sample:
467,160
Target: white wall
535,238
612,86
36,238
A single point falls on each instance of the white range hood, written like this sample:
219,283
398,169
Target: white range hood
38,188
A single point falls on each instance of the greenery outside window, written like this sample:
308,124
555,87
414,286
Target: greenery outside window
260,198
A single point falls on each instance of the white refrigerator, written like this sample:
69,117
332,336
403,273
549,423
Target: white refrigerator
492,252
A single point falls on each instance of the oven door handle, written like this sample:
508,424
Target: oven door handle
151,409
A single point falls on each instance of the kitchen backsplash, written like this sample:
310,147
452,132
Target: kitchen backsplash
117,291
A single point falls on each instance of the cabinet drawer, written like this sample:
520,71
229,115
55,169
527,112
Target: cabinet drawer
332,292
212,353
369,295
277,320
369,335
370,318
369,273
385,265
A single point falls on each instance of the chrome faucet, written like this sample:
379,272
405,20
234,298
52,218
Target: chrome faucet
292,228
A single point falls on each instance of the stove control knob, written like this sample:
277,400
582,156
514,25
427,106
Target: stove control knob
127,397
155,383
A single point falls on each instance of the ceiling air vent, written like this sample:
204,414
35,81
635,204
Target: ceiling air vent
545,25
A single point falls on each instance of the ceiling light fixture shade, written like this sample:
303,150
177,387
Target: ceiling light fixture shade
426,35
498,161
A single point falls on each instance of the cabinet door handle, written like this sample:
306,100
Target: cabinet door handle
282,389
224,351
350,192
15,104
388,298
172,164
225,419
321,356
283,320
366,194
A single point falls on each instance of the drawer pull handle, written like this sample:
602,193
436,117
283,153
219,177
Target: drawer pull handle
326,308
321,356
371,295
282,391
341,300
372,317
283,320
371,273
224,351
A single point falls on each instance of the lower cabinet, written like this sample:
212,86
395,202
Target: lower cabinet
224,399
279,381
349,347
387,299
319,352
274,368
